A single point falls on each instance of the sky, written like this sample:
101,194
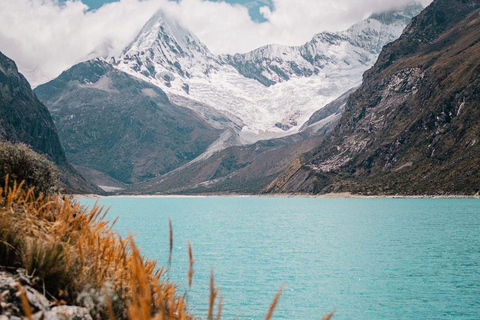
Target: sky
253,6
45,37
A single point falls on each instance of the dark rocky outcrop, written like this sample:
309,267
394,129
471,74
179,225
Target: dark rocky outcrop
23,118
413,127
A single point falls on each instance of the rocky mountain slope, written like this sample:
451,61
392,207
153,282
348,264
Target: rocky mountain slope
116,124
23,118
271,91
245,169
413,127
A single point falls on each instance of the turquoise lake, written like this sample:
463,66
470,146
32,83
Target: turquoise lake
363,258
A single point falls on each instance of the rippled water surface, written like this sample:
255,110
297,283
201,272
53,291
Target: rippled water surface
363,258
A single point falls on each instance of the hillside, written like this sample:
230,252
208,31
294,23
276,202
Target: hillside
413,125
245,168
116,124
23,118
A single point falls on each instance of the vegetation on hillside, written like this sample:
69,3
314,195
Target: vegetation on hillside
21,163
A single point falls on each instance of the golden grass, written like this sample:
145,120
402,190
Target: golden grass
213,295
191,261
328,316
274,303
72,249
220,308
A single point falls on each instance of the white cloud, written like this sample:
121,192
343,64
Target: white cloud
229,29
45,38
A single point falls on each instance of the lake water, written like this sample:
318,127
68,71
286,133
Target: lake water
363,258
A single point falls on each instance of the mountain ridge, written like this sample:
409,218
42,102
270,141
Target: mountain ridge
412,127
277,63
178,63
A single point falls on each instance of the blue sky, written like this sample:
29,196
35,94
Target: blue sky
252,5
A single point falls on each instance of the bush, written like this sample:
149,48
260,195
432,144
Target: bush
21,163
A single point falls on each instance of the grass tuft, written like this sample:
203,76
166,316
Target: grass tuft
23,164
73,251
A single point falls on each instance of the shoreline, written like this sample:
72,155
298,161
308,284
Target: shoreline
340,195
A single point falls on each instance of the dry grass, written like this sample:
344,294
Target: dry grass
170,229
191,261
274,303
328,316
71,250
27,310
213,295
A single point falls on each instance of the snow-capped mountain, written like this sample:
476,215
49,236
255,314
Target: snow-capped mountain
165,50
356,47
269,92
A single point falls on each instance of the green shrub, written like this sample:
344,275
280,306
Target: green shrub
21,163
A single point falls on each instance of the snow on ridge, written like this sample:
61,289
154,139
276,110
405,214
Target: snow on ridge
271,91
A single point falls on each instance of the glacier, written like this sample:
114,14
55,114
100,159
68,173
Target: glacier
267,93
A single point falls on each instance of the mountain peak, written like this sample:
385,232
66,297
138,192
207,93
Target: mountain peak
164,49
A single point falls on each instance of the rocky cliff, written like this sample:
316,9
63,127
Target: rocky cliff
413,127
23,118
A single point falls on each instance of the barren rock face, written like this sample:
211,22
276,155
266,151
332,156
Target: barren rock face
413,124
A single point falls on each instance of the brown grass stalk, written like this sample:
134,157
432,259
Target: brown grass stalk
191,262
220,308
25,304
170,229
213,295
328,316
274,303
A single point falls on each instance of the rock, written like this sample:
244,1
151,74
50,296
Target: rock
36,299
64,312
11,305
